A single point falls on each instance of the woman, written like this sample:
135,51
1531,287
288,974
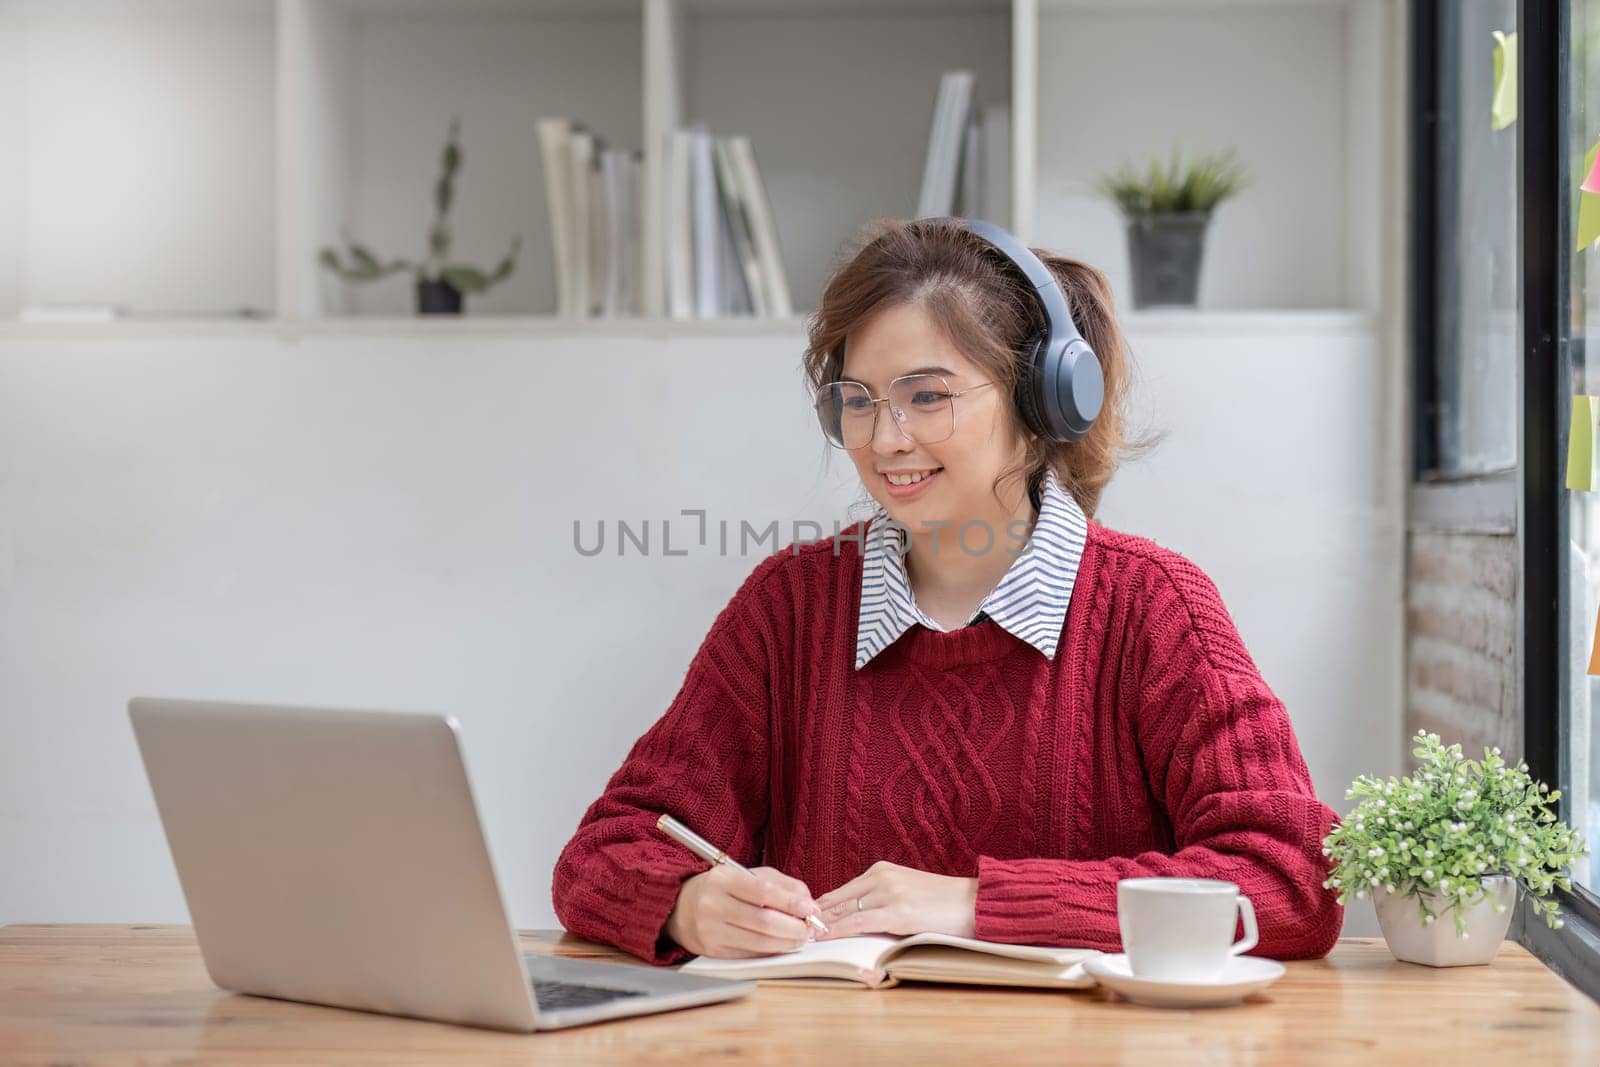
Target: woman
976,712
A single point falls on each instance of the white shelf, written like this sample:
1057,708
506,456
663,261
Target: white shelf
369,89
837,100
1203,325
1180,6
836,96
542,327
1261,322
1301,90
533,327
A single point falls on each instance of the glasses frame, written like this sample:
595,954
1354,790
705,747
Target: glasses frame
898,414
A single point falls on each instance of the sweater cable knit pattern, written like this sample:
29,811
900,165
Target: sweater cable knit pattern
1149,745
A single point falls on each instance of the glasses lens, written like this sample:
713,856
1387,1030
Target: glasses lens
847,413
924,403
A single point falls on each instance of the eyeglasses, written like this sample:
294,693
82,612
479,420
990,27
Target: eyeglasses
923,406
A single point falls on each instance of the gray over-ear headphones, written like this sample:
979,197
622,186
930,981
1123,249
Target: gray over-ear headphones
1059,386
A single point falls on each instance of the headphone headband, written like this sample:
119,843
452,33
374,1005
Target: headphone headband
1060,386
1058,318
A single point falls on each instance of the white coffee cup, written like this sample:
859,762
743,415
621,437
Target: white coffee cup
1181,929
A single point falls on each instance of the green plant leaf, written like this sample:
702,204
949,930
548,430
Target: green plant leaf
1197,186
466,279
503,270
442,196
365,260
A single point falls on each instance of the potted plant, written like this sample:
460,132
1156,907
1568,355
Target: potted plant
1166,210
440,284
1458,836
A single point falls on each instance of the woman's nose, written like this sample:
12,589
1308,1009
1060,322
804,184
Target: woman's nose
888,435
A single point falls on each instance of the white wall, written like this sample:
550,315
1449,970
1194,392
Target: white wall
387,521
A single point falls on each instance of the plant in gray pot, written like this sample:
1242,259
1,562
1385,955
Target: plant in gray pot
440,284
1167,210
1458,837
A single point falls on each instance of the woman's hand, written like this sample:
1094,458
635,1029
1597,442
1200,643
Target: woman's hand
726,912
900,900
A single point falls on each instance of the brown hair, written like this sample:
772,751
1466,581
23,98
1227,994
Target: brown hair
981,302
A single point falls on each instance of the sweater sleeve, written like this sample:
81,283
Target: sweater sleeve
705,763
1220,755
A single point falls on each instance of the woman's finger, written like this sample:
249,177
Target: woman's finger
869,920
860,900
737,942
794,885
847,893
764,892
782,930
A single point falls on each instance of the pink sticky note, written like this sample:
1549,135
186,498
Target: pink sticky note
1591,183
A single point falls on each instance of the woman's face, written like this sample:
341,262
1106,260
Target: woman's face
959,472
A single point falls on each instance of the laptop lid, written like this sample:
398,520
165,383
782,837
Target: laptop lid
334,856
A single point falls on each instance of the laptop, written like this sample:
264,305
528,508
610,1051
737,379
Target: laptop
335,857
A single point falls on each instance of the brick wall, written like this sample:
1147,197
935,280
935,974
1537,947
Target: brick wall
1461,633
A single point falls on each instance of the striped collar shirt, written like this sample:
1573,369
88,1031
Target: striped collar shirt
1030,601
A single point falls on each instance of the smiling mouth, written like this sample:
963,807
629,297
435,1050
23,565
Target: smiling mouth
910,477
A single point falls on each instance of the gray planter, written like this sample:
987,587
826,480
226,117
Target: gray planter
1165,252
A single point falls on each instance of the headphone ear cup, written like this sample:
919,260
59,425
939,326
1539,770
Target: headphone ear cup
1028,386
1083,388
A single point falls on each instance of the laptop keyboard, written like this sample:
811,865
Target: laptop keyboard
552,995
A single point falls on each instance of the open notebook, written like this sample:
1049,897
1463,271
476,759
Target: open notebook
878,962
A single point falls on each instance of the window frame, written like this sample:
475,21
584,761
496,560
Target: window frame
1474,502
1543,150
1528,501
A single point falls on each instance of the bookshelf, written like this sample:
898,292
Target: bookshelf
141,168
294,119
369,88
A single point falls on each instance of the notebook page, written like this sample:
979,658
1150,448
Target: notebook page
857,953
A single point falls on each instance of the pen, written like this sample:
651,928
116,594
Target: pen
707,851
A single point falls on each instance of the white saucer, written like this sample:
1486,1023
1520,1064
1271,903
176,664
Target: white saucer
1242,976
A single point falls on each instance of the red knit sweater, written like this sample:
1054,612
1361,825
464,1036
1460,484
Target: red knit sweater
1149,746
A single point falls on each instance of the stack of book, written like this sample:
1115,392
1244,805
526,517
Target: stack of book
968,169
719,242
722,256
594,193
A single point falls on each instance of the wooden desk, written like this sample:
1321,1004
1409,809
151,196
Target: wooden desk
81,994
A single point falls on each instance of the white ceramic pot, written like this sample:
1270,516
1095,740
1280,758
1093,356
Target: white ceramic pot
1437,944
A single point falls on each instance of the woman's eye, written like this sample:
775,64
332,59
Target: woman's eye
928,396
857,403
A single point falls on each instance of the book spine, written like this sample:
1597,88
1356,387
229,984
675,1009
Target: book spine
707,240
553,134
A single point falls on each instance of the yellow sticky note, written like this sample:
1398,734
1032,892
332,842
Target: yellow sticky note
1588,207
1581,455
1503,107
1594,655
